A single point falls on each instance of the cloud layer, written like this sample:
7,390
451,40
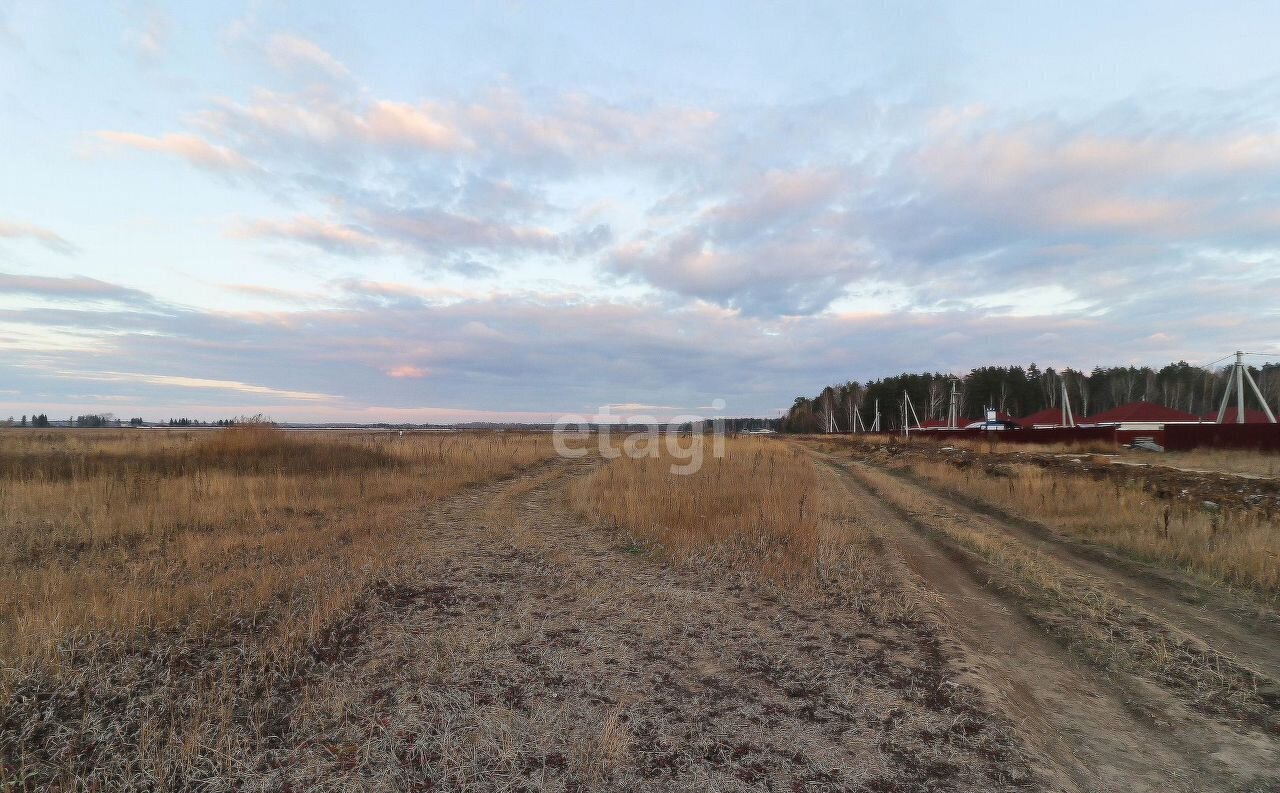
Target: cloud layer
366,347
529,248
773,210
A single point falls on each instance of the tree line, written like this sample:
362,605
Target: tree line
37,420
97,420
1019,391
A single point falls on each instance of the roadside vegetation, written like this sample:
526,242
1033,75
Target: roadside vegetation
933,441
1211,525
1237,547
1233,461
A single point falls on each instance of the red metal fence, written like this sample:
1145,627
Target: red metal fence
1174,437
1068,435
1096,435
1184,437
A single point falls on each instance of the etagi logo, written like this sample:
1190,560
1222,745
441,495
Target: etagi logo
685,437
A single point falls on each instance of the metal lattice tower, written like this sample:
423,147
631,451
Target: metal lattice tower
1239,376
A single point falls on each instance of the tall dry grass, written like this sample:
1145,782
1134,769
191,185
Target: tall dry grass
761,507
994,445
115,533
765,512
1239,548
1233,461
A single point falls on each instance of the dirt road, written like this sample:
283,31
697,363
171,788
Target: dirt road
527,649
1193,609
1102,728
533,651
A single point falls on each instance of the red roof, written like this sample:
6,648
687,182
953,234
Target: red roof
1138,411
1250,416
1042,417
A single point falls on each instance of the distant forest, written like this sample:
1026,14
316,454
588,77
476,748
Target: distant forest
1019,391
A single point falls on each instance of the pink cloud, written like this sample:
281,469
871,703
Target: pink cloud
434,228
1122,213
192,148
501,123
400,123
76,287
311,231
49,238
292,53
407,370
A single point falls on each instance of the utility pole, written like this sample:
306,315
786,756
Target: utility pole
906,405
1068,420
875,425
953,413
1239,375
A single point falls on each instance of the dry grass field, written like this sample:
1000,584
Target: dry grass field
127,552
115,533
259,609
1249,463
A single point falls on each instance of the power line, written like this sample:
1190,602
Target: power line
1231,355
1220,360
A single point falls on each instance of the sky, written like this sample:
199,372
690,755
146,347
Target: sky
430,212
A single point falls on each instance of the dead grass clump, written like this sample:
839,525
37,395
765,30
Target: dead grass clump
758,508
1239,548
259,448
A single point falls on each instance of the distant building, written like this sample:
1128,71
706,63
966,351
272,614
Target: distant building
1139,416
995,420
